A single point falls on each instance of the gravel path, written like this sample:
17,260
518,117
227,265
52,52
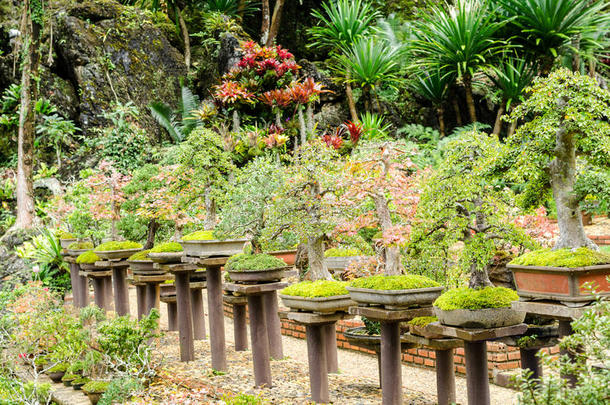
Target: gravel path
356,383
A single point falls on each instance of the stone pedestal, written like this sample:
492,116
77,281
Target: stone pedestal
118,268
240,327
197,309
147,289
100,281
475,351
80,284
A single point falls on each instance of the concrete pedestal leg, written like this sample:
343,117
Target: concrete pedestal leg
530,361
141,299
216,317
172,316
108,291
121,295
274,326
477,379
240,329
198,314
318,366
83,291
445,377
185,316
391,376
74,281
330,338
152,297
565,329
378,353
259,340
99,292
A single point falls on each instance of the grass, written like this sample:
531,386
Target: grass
469,298
342,252
316,289
400,282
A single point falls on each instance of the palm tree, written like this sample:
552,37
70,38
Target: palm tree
511,76
181,123
545,28
434,87
460,39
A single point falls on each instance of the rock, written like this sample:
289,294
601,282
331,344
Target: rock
51,184
331,116
229,53
13,269
308,69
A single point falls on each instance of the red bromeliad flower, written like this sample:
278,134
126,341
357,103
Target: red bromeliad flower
334,140
283,53
276,98
355,131
303,93
230,92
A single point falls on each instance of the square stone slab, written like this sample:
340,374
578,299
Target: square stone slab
310,318
251,289
549,309
476,335
391,315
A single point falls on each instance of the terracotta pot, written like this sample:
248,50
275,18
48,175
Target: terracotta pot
563,284
288,256
209,248
323,305
395,299
480,318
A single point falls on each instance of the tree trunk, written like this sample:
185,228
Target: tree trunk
456,108
592,63
265,22
315,254
479,278
27,119
275,21
392,253
185,38
563,175
441,120
278,118
350,102
210,209
309,118
469,98
153,226
576,57
498,124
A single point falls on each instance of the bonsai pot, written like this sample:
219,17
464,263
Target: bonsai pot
340,263
67,242
199,275
88,267
395,299
563,284
480,318
257,276
166,257
359,337
143,267
423,332
94,397
323,305
116,254
78,385
56,376
167,290
76,252
207,248
288,256
68,381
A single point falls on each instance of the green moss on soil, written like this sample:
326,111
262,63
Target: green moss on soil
59,368
80,245
199,235
167,247
87,258
400,282
469,298
96,386
580,257
316,289
65,235
80,380
142,255
342,252
69,377
118,245
422,320
261,261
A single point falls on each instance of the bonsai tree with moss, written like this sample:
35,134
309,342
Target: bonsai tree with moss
316,289
461,203
306,202
251,262
248,199
566,127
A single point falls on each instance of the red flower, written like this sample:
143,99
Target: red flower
355,131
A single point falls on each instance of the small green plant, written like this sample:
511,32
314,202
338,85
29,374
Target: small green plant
68,377
400,282
80,245
120,390
242,399
217,372
59,368
469,298
580,257
80,380
526,341
118,245
200,235
141,255
96,386
342,252
315,289
65,235
87,258
372,327
423,320
167,247
245,262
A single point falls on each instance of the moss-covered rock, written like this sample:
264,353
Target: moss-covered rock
316,289
117,245
262,261
580,257
87,258
199,235
468,298
167,247
400,282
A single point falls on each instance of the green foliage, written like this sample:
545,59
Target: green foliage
315,289
260,261
373,328
54,130
399,282
580,257
374,127
80,245
432,85
65,235
199,235
141,255
96,386
80,380
592,188
512,76
69,377
342,252
87,258
59,368
422,320
167,247
181,123
117,245
243,399
469,298
120,390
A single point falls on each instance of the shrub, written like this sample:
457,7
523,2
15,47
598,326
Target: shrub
199,235
119,391
118,245
422,320
318,288
580,257
87,258
400,282
468,298
242,399
342,252
167,247
262,261
141,255
80,245
80,380
96,386
372,327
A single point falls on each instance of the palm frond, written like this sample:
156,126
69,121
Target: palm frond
162,113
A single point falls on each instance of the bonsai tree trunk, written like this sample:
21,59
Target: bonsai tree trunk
469,97
315,254
275,21
563,175
498,123
210,209
478,278
153,226
392,253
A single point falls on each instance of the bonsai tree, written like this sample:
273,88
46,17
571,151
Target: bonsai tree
249,195
306,203
569,118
